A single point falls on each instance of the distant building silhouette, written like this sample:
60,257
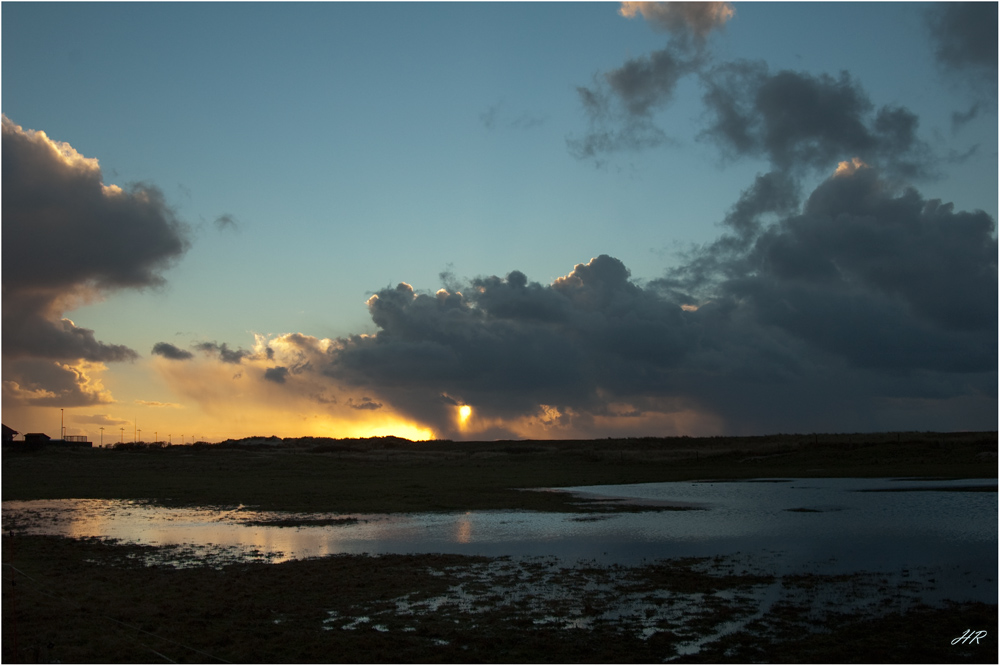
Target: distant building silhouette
36,439
8,433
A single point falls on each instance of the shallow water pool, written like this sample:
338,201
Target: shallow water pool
785,525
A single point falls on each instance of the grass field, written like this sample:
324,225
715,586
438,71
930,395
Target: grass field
90,601
391,475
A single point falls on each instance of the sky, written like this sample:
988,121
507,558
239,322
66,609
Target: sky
498,220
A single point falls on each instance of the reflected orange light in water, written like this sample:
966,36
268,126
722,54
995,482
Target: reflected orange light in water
463,531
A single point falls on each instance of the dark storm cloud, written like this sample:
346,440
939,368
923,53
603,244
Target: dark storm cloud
869,300
772,194
167,350
879,278
225,354
69,239
867,307
964,36
507,346
797,120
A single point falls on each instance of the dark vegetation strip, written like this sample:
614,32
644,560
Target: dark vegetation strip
392,475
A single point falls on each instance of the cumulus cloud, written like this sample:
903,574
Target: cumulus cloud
70,239
47,383
167,350
682,19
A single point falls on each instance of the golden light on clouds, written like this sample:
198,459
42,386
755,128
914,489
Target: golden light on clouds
66,153
275,388
228,400
849,168
699,17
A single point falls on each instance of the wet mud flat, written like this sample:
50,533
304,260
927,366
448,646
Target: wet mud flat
92,600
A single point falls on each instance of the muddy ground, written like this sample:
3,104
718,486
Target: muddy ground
86,601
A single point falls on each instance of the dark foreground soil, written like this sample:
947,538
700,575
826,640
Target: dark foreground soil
86,601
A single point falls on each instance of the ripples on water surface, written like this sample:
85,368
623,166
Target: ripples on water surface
814,525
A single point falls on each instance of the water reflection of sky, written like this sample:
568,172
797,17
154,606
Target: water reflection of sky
801,522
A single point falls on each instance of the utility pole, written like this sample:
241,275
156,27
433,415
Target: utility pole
62,426
102,436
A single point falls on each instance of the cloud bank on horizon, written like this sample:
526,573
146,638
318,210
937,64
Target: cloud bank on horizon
856,305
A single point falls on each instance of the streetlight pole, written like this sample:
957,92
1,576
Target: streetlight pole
123,434
102,436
